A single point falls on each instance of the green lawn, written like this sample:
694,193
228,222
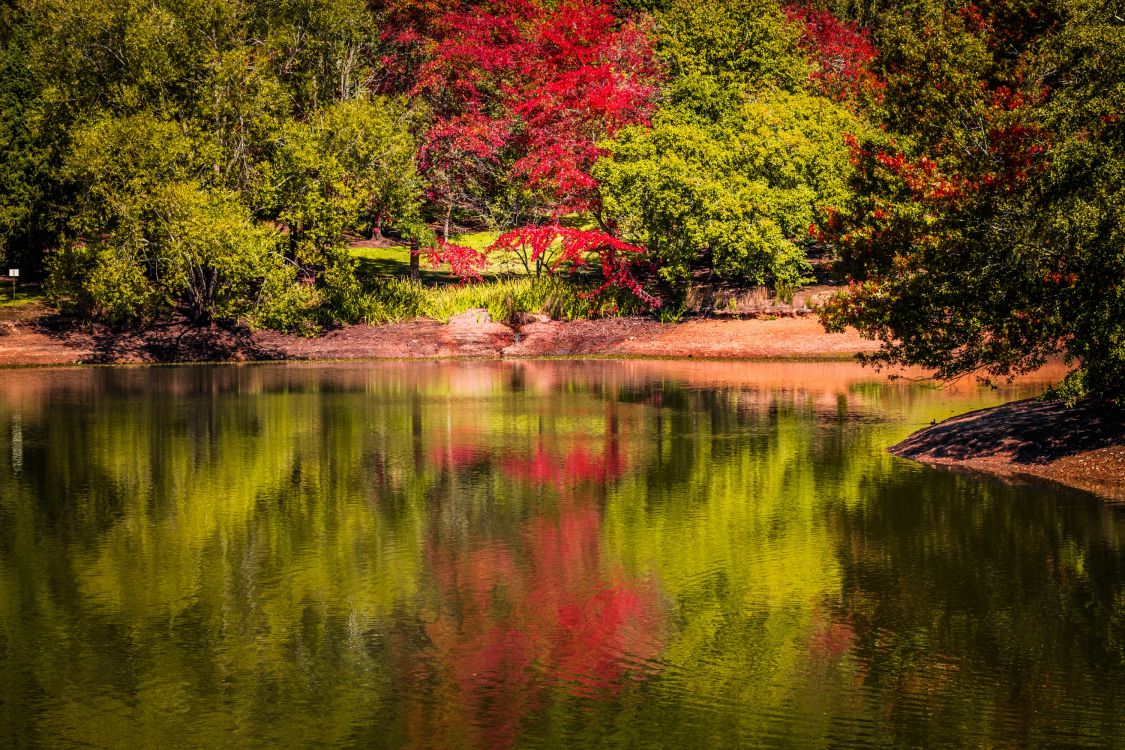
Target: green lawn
395,260
25,295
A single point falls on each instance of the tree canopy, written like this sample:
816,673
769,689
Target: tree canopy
986,235
214,158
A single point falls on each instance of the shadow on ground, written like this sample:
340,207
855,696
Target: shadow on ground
166,342
1023,432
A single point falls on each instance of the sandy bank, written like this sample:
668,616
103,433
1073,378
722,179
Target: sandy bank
472,334
1082,447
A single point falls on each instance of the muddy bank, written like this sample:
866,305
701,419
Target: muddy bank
1081,447
472,334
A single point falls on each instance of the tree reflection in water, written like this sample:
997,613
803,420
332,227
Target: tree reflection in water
538,553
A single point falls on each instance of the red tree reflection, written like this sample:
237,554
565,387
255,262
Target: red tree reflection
526,614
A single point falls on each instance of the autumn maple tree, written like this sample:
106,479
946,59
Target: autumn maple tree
843,55
522,95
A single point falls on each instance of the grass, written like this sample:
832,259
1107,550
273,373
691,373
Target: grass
502,299
394,260
24,295
399,299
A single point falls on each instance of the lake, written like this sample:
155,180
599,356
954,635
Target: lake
536,554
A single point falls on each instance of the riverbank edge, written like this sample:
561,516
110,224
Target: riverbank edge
1080,447
472,335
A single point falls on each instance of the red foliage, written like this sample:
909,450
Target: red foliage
465,262
843,53
458,457
573,247
565,622
526,91
578,465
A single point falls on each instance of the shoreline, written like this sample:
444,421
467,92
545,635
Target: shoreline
1082,447
470,335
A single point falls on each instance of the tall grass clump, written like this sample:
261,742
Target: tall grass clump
503,299
397,299
393,300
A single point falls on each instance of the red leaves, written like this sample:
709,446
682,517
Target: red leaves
1005,158
545,83
578,465
923,178
553,247
574,246
465,262
844,54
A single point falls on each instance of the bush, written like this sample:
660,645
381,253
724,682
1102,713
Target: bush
738,195
101,281
185,249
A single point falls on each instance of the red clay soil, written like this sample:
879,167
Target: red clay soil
791,337
472,334
1082,447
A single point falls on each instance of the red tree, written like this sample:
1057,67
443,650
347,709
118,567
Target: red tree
523,93
843,54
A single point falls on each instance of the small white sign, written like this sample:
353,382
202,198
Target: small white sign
13,272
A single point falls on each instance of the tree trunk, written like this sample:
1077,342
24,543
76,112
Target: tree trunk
414,267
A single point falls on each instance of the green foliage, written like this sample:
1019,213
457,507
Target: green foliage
991,236
1078,223
741,192
114,166
24,159
351,166
716,50
1070,391
191,250
743,158
262,111
217,263
105,280
933,66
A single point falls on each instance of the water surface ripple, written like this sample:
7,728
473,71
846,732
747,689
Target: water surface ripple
536,554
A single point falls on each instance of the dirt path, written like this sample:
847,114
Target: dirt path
472,334
1082,447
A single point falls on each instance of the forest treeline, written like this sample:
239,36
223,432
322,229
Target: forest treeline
964,165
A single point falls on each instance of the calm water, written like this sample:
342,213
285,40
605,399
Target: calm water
564,554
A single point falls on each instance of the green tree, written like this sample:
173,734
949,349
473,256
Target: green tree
23,163
740,193
716,50
742,159
990,237
147,239
350,169
1080,219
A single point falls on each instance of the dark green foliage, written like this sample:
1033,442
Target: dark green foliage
1079,220
987,233
25,158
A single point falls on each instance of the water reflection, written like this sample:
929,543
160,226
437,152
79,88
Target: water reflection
534,554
